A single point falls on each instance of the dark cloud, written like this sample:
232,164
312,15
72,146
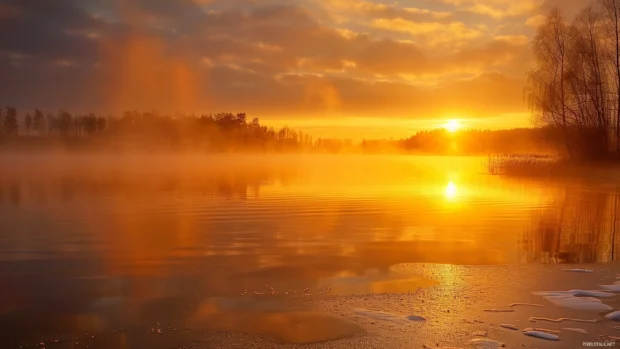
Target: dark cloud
45,28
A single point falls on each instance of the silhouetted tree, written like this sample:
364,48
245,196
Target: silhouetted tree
28,122
38,121
575,86
612,13
65,123
547,85
10,121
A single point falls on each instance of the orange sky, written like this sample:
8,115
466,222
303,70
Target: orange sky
347,68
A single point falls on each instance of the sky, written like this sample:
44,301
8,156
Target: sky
343,67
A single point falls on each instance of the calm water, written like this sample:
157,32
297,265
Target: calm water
86,242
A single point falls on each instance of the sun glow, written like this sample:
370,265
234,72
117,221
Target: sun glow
452,125
451,191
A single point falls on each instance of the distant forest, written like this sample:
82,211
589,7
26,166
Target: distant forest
228,132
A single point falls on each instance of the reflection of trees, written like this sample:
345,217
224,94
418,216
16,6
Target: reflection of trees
66,187
580,228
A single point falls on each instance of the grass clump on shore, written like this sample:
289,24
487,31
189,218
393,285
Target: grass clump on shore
527,165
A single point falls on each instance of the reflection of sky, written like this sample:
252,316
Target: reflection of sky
324,223
309,210
373,281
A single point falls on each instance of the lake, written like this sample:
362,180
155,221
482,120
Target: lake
88,242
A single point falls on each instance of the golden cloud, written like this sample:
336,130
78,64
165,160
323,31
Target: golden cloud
433,33
497,9
278,57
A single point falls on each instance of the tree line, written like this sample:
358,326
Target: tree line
575,85
472,142
62,123
228,132
217,132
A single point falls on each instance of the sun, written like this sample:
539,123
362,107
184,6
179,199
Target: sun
451,191
452,125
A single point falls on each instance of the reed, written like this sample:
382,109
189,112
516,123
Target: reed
527,165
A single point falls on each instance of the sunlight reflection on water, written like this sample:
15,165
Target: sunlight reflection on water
451,191
156,227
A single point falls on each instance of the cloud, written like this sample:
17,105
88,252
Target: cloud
9,11
536,21
569,8
39,28
466,97
372,10
512,9
271,57
432,33
513,39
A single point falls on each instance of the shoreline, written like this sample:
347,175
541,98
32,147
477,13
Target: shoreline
454,313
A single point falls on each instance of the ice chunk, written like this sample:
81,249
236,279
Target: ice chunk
578,330
486,344
613,288
579,303
579,293
613,316
542,335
